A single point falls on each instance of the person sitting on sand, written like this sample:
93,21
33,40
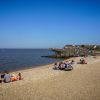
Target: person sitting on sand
2,77
68,66
83,61
62,66
19,76
7,77
69,62
56,65
73,62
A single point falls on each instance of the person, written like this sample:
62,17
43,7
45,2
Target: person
69,62
2,77
7,77
14,78
73,62
83,61
0,81
20,76
62,66
56,66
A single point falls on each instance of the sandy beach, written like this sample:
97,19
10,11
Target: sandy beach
44,83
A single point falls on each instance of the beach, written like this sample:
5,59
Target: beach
44,83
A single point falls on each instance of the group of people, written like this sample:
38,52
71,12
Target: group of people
67,65
6,77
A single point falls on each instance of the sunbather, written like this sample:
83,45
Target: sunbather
14,78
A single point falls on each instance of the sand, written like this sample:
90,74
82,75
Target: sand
44,83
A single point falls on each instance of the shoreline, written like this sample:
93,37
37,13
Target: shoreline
30,67
37,71
39,66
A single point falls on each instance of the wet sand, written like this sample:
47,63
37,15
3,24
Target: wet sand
44,83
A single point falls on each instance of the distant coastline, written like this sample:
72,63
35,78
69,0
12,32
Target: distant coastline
75,50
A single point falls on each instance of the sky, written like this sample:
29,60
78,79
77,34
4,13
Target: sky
49,23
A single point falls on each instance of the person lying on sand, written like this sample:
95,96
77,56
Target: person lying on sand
13,78
16,78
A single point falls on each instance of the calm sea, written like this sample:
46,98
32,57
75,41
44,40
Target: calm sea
15,59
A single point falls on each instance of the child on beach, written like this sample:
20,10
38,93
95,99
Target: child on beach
20,76
56,65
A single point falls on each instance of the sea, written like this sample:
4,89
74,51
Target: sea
17,59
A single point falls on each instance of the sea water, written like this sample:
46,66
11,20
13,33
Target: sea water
16,59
